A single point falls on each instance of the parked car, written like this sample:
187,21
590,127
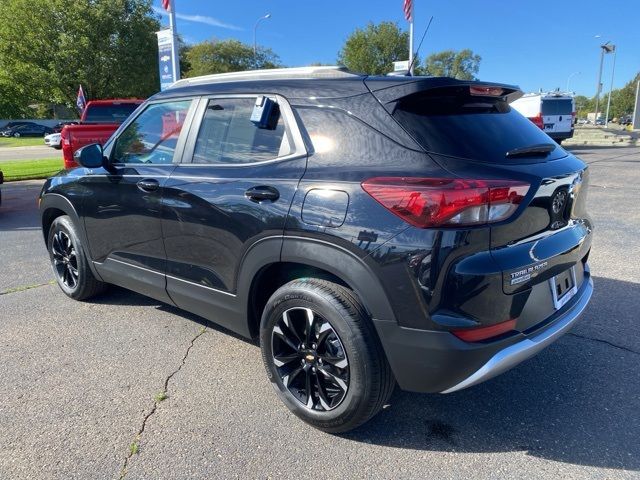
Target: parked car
53,140
57,128
625,119
339,219
33,130
15,124
99,120
582,121
552,112
1,182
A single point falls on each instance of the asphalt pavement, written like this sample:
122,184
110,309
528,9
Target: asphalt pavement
29,153
79,382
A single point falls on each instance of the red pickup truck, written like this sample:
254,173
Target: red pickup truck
99,120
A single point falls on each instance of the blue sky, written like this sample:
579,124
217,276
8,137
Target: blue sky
534,44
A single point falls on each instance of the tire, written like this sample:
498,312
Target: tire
348,350
69,261
16,135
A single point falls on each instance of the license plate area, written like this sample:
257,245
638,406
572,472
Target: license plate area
563,287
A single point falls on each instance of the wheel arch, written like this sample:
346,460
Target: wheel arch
267,268
52,206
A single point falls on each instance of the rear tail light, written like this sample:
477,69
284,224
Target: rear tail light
478,334
434,202
538,121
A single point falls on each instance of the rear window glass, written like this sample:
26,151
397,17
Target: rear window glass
557,107
477,128
110,113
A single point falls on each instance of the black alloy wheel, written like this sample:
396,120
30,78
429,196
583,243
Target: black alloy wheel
69,261
65,259
323,356
310,359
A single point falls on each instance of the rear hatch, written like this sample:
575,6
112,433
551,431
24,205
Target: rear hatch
471,131
557,114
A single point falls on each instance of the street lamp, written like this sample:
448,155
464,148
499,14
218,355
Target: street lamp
255,45
613,70
606,48
569,78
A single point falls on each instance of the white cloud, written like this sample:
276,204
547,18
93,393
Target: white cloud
214,22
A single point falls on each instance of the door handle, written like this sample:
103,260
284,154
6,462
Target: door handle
262,193
148,185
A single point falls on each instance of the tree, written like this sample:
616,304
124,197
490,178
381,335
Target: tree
49,47
373,50
212,56
463,65
622,99
584,105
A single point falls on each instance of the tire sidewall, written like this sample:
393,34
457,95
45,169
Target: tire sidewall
355,349
64,224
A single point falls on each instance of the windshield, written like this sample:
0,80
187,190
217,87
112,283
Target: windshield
562,106
450,122
116,113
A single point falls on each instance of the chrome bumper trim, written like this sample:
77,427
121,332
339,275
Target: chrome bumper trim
518,352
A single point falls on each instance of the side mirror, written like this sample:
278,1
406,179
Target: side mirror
90,156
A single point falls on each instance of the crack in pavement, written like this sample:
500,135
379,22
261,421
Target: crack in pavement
133,450
26,287
606,342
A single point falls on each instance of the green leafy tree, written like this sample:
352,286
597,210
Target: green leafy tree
463,65
212,56
373,49
49,47
622,99
584,105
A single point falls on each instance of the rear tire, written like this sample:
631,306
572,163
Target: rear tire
69,261
327,366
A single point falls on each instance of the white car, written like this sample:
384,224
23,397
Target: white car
53,140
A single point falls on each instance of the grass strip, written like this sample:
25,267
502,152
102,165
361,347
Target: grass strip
30,169
21,142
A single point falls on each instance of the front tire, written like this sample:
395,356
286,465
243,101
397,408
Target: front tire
323,355
69,261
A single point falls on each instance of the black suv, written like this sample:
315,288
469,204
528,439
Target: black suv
369,230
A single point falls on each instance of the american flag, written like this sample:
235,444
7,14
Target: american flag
81,101
166,4
408,10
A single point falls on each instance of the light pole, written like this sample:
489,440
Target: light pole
613,70
255,45
606,48
569,78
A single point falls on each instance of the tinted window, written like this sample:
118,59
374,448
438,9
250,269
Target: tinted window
557,107
480,128
110,113
227,134
153,135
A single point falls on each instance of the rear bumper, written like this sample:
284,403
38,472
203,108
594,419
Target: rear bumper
432,361
560,135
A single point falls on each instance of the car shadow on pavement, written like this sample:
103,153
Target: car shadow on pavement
577,402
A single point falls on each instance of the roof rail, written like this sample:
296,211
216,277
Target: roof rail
268,74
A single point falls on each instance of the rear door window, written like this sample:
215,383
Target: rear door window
228,136
452,122
557,107
116,113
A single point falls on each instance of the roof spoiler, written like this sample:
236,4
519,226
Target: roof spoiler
390,89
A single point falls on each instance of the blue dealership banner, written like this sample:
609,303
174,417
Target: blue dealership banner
165,58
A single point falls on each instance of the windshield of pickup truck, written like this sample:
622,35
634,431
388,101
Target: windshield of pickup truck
116,113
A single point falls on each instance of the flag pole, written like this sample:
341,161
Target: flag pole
411,39
174,41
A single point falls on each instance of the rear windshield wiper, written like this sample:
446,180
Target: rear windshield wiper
540,149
